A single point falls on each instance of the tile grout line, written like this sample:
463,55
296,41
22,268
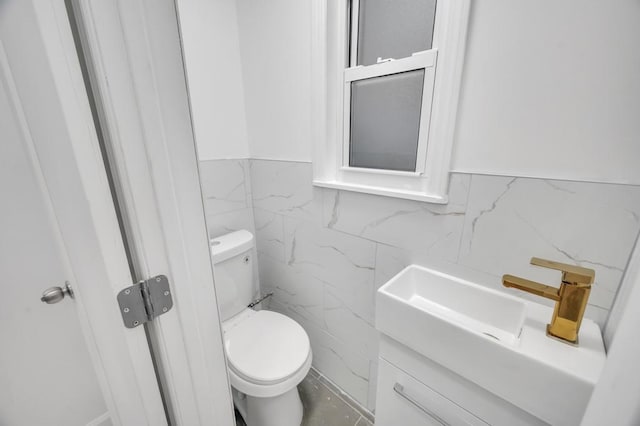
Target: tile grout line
347,399
347,403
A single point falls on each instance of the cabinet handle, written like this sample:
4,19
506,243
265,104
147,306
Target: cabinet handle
399,389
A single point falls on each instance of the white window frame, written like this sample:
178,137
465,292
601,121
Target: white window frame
332,75
425,60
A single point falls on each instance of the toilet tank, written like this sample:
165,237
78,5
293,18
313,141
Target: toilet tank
232,256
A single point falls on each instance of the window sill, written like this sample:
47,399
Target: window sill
385,192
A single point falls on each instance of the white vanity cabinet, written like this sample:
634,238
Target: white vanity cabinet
454,351
414,391
406,401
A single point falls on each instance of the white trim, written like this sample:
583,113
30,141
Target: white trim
615,397
425,121
449,36
426,61
73,175
318,53
620,303
441,99
418,60
379,171
134,49
381,190
354,25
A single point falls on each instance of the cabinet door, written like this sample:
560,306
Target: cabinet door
404,400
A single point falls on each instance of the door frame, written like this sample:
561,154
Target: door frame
134,62
70,170
615,397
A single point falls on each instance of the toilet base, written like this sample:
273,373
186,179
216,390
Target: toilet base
281,410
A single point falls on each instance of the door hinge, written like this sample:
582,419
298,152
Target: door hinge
144,301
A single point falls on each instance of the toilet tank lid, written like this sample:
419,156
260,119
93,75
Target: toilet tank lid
232,244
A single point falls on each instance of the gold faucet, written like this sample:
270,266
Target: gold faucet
571,298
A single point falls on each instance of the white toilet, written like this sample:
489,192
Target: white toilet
268,354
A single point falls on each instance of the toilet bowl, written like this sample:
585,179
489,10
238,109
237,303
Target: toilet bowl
268,354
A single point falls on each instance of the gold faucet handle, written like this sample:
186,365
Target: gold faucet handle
570,273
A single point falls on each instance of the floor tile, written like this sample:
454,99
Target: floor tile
239,419
324,408
364,422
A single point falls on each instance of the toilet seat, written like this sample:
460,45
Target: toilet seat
268,353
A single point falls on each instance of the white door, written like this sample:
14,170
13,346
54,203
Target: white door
70,363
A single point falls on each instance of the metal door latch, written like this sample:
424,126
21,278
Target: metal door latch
56,294
145,300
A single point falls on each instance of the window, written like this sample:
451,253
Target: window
390,114
384,125
387,85
390,29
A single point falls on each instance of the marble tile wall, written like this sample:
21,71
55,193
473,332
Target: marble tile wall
228,205
226,190
324,252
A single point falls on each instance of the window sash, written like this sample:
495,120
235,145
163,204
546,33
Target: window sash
353,28
424,59
421,60
353,40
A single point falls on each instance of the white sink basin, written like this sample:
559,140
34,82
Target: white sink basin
493,339
449,300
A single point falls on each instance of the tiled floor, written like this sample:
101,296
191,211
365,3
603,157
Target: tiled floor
323,407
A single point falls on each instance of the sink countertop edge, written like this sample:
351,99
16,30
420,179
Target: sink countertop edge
548,404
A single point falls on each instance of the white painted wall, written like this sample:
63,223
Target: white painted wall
544,83
550,89
275,39
212,60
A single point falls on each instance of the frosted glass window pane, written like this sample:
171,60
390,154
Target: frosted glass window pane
385,120
394,28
